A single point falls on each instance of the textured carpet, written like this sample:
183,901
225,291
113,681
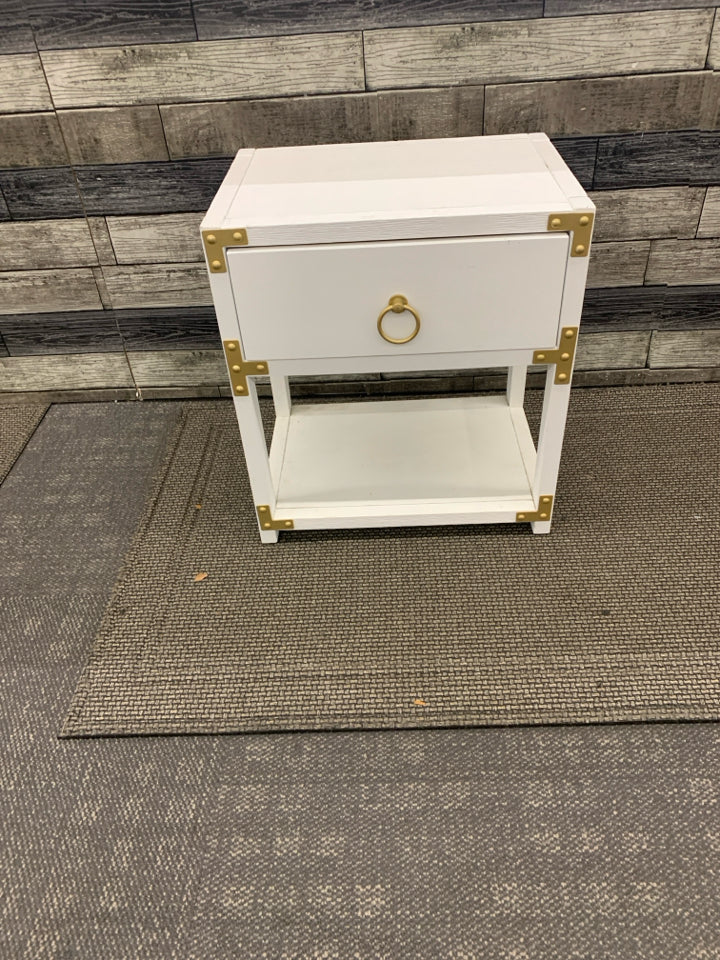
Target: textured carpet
17,425
613,617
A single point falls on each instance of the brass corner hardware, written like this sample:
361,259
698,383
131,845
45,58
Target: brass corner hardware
267,523
562,356
579,225
241,369
215,242
543,512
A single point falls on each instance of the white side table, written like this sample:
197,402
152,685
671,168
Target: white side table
400,256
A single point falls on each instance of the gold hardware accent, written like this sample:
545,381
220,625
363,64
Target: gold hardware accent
578,225
562,355
240,369
543,512
215,242
397,304
267,523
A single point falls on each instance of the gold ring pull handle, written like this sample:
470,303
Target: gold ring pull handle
397,304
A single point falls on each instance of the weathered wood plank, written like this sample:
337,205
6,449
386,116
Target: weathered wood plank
77,23
222,128
102,288
537,49
714,51
36,291
173,237
44,244
41,194
710,112
90,331
684,262
3,350
16,34
607,351
31,140
22,84
647,214
178,368
4,212
161,285
216,70
618,264
169,328
65,372
175,186
114,134
685,348
687,308
101,240
416,114
710,219
658,159
571,8
629,104
217,19
623,308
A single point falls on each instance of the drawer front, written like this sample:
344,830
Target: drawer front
469,294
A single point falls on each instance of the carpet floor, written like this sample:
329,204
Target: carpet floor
17,425
612,617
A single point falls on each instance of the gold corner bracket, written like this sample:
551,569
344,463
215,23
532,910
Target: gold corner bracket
215,242
267,523
562,356
543,512
579,225
241,369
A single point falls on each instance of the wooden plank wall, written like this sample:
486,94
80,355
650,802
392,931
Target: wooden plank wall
118,121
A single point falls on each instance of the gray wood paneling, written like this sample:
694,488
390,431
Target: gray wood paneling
173,186
16,34
173,237
618,264
658,159
571,8
216,70
415,114
646,214
537,49
4,212
710,114
92,331
113,134
3,350
22,84
685,348
683,262
714,52
77,23
161,285
37,291
65,372
687,308
101,240
671,101
579,154
607,351
623,308
217,19
222,128
710,219
44,244
102,287
169,328
31,140
41,194
177,368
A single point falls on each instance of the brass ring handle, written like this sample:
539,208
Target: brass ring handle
397,304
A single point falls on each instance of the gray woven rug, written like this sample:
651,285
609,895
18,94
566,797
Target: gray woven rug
17,425
612,617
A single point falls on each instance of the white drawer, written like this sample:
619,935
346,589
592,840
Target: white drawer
470,294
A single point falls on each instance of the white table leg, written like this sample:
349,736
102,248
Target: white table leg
247,411
516,386
550,440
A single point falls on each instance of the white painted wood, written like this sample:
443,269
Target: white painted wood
517,376
401,451
459,227
324,301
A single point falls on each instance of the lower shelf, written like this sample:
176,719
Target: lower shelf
437,460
